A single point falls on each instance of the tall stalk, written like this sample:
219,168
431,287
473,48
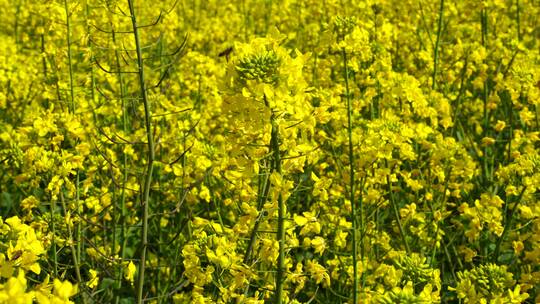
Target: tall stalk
70,65
76,264
396,214
507,224
264,188
75,249
53,239
121,94
274,142
485,123
518,23
436,49
150,155
351,180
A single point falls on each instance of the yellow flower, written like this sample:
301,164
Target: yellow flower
64,290
94,279
318,272
500,125
319,244
129,272
488,141
29,203
516,297
14,291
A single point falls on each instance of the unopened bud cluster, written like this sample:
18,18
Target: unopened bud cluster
262,67
489,278
344,26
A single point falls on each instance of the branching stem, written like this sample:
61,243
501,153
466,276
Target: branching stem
150,155
351,180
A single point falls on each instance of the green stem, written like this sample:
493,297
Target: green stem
396,213
71,90
485,100
351,179
507,225
71,246
53,239
518,21
16,25
436,50
281,211
78,230
262,200
510,129
124,167
150,156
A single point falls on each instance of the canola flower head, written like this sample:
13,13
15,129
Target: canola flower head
344,25
486,281
262,67
406,295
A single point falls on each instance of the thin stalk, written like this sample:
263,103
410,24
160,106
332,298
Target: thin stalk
70,65
43,59
268,8
396,213
53,202
246,20
507,225
442,200
93,99
485,98
16,25
437,41
510,131
518,21
449,259
459,97
72,247
53,239
160,235
536,115
362,233
124,168
281,210
78,228
150,156
262,201
351,180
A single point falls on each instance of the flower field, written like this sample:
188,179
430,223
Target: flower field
269,151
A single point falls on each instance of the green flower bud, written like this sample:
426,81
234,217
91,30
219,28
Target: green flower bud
489,279
344,26
260,67
414,268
